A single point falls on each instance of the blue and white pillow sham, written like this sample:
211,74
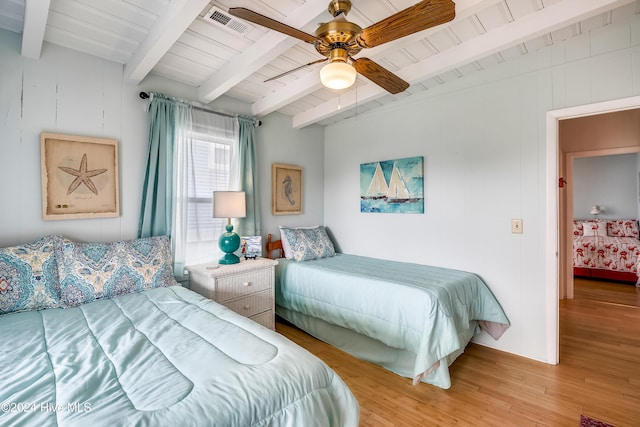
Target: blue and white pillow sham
91,271
29,276
306,243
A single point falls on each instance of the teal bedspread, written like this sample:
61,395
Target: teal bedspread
427,313
163,357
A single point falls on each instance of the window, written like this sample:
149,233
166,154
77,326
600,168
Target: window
209,160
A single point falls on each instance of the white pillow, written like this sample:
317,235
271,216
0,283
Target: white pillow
594,229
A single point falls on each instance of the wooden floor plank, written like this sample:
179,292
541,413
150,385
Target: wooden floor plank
598,374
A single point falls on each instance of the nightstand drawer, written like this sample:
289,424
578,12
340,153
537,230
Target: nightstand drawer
252,304
244,283
266,319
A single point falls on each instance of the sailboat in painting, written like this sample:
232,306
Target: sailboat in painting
378,188
398,192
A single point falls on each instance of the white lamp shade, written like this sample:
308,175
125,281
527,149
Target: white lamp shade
338,75
229,204
595,210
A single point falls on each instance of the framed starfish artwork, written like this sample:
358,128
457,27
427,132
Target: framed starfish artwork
286,189
79,177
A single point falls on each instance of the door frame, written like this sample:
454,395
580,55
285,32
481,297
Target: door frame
556,209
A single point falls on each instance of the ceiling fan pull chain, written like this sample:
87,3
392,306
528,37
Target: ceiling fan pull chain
356,102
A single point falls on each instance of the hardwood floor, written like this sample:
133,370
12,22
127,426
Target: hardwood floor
598,374
613,292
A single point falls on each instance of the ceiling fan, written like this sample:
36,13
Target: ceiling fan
340,40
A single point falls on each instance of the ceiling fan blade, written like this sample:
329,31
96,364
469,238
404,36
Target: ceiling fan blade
380,75
295,69
422,15
256,18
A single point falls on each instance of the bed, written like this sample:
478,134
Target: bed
137,352
411,319
606,249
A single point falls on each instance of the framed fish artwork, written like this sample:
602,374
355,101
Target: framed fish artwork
286,189
392,186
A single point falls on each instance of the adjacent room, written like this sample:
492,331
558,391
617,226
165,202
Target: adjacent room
320,212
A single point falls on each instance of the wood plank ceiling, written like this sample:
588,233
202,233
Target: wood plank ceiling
194,42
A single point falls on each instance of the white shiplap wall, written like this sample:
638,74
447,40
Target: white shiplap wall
484,143
63,92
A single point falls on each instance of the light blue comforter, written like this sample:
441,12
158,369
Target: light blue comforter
163,357
429,313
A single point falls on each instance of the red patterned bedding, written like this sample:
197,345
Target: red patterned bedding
606,249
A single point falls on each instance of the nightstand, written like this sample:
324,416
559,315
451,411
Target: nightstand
246,287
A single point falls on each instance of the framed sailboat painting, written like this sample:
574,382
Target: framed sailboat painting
392,186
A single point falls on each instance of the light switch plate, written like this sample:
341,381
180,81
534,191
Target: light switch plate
516,226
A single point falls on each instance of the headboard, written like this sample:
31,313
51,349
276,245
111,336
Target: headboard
274,245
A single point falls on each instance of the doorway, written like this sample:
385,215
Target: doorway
558,226
568,214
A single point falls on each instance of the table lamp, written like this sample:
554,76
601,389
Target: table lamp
229,204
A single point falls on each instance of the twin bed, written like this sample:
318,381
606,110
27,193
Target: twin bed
606,249
411,319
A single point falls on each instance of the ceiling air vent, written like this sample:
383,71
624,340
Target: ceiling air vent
229,22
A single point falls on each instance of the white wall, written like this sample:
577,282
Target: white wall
70,92
278,142
483,140
608,181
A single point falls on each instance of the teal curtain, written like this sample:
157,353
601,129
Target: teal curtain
249,226
157,192
163,207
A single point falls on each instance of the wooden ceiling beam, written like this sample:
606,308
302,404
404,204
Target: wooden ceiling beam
167,30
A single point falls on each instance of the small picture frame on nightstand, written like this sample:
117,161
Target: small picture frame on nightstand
251,247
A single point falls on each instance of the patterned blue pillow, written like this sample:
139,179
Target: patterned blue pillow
91,271
29,276
307,243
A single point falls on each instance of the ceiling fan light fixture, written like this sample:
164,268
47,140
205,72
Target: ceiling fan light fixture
338,75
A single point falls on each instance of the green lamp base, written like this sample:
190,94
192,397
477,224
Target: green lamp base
228,243
229,259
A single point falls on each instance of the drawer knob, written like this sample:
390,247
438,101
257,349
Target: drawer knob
247,283
247,307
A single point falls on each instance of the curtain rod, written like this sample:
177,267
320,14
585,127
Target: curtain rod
258,123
